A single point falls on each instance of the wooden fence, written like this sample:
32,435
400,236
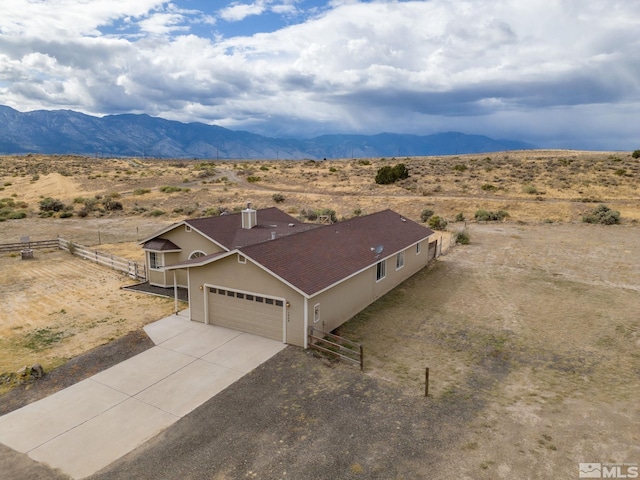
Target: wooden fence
28,245
335,345
132,269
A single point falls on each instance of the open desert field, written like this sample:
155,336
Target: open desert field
531,331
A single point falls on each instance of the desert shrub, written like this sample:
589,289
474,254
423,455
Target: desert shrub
278,198
388,174
636,154
310,215
487,187
66,214
264,168
460,167
112,205
620,172
460,217
79,200
602,215
170,189
329,213
487,216
215,211
437,223
51,205
426,215
463,238
16,215
364,162
333,169
82,213
156,213
357,212
141,191
253,179
530,189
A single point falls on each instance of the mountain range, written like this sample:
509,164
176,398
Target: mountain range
130,135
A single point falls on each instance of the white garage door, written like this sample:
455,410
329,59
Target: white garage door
246,312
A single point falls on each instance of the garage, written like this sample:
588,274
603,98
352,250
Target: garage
247,312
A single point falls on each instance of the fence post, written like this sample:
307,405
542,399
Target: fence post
426,382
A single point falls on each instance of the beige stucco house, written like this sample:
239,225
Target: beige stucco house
267,273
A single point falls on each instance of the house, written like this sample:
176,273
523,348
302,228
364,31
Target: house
265,272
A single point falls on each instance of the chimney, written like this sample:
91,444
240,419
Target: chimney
249,217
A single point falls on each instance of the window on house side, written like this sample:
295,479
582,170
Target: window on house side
418,248
155,260
197,254
399,260
381,270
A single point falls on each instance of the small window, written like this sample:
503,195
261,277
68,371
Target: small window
212,290
222,292
381,270
155,260
399,260
279,303
242,259
230,293
239,295
316,313
418,248
187,228
260,299
268,301
197,254
250,297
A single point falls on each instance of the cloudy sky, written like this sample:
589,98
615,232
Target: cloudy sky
557,73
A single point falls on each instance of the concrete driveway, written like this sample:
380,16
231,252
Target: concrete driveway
85,427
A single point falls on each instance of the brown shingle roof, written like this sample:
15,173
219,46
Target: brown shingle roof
316,259
161,245
227,229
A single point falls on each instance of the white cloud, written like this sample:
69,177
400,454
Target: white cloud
505,68
240,11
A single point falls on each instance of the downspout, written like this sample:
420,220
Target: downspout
306,323
175,292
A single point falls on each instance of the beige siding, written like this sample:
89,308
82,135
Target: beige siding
336,305
346,299
249,278
189,242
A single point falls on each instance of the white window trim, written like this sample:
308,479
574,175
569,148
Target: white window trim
418,248
202,254
384,270
159,260
399,260
316,313
242,259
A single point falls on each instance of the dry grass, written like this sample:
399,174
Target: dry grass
532,186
